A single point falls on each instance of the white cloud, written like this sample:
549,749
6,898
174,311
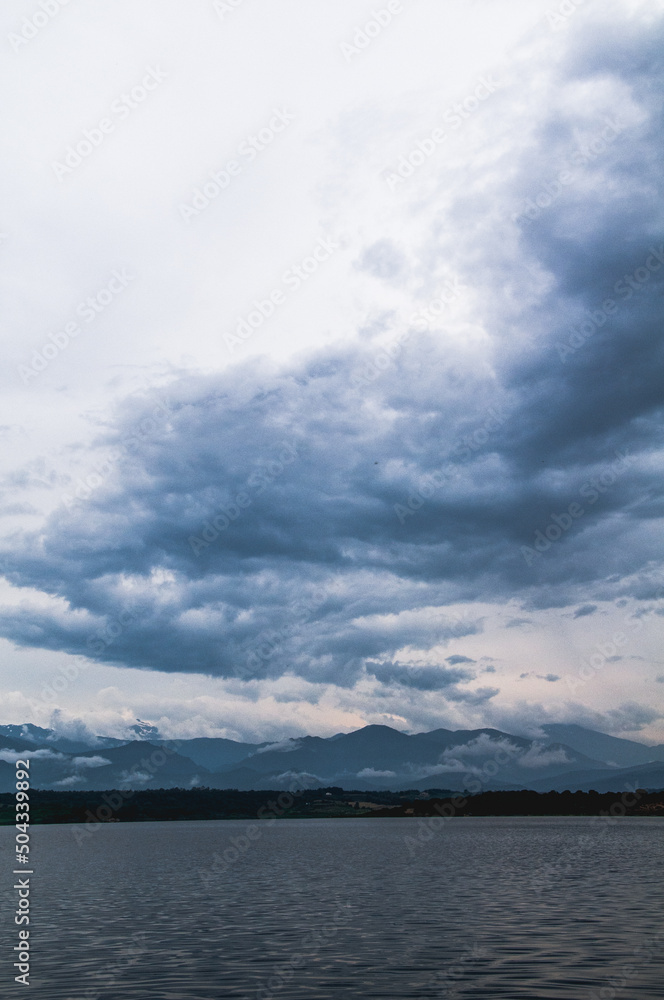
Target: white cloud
538,756
135,776
11,756
282,746
481,746
297,779
95,761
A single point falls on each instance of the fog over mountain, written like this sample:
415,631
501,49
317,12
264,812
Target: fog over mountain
372,758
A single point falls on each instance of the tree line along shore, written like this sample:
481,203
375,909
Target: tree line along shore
128,806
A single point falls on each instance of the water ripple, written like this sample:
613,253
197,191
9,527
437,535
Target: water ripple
506,908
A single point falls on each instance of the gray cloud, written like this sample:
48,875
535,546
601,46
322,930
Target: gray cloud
585,609
11,756
95,761
255,531
383,260
425,678
538,756
630,717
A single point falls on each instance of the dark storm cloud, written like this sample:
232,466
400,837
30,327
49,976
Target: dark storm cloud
309,520
627,718
425,678
585,609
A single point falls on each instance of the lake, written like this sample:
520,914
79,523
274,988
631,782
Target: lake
374,908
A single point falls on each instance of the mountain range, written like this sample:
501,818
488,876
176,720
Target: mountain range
368,759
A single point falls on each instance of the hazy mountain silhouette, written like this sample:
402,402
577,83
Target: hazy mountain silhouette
372,758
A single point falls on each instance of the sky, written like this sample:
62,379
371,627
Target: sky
333,389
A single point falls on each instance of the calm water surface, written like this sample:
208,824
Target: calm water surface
492,908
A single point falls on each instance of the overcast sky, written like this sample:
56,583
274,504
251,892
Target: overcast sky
333,384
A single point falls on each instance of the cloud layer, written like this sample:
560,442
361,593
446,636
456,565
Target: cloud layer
319,518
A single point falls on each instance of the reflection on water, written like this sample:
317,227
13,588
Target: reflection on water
526,907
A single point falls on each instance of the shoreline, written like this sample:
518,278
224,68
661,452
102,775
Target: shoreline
178,804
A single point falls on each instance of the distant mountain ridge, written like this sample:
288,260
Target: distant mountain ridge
372,758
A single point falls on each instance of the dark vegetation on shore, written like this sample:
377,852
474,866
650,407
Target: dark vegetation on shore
211,803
